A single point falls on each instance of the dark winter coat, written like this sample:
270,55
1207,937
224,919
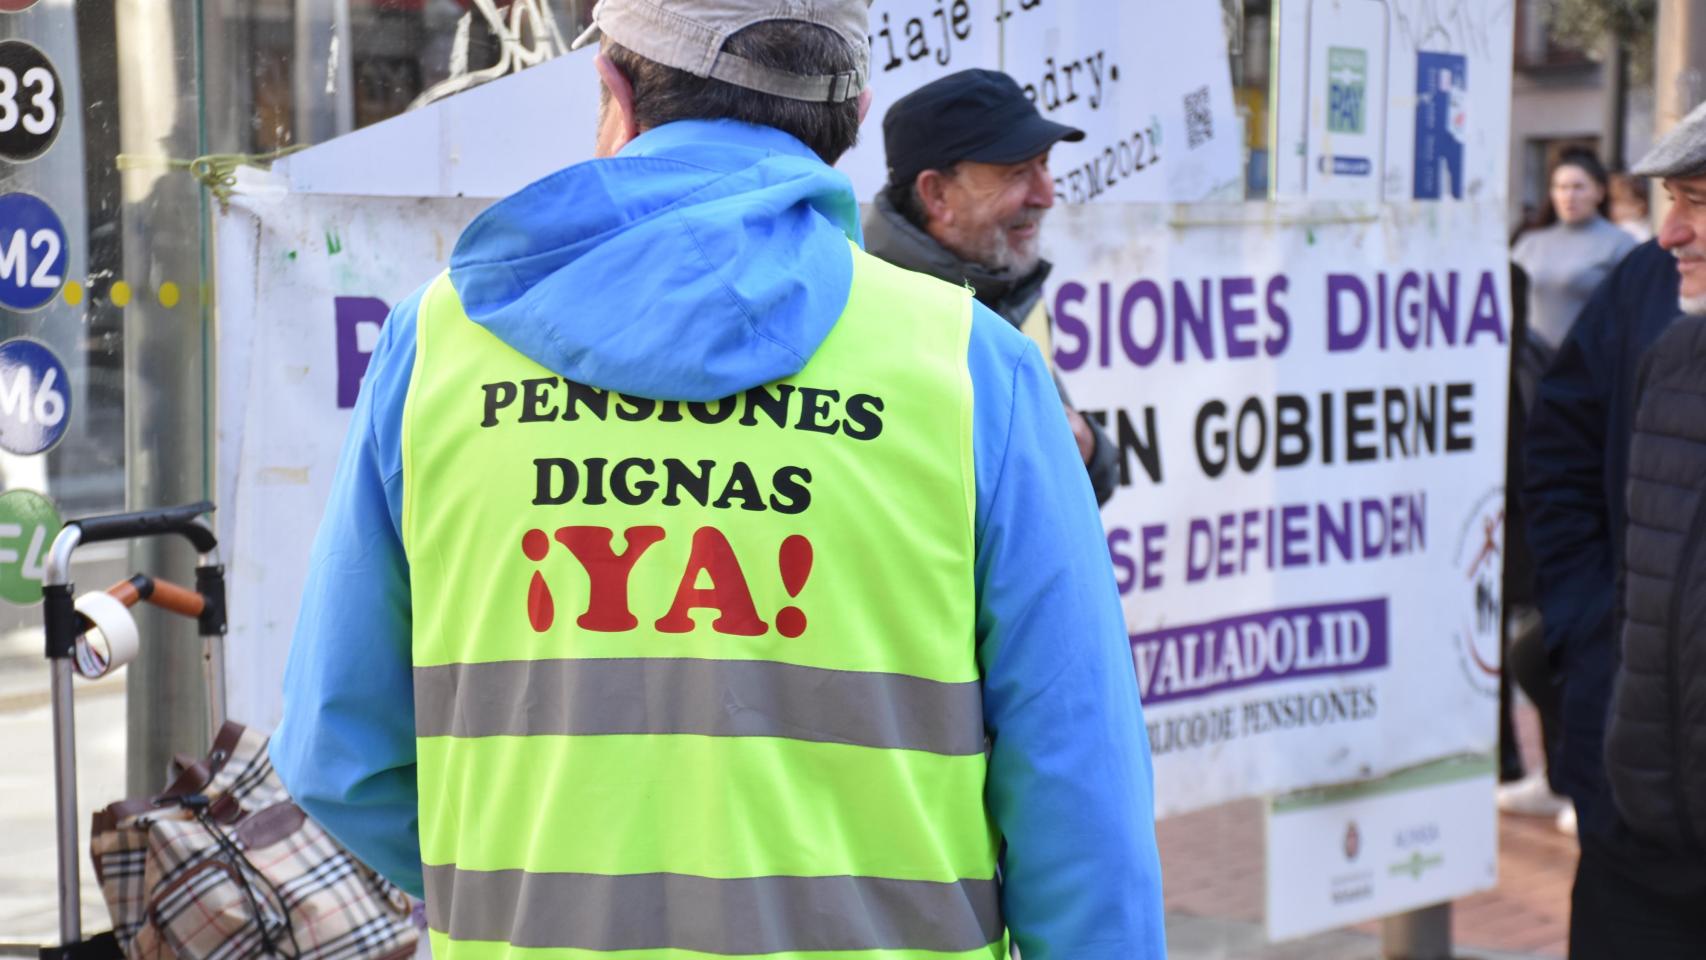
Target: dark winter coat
1575,454
1655,746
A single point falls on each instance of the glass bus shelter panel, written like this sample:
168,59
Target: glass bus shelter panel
300,73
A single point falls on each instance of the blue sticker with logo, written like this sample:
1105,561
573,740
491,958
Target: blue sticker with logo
35,404
1346,166
1442,123
33,252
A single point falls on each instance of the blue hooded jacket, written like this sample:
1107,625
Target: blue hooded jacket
706,258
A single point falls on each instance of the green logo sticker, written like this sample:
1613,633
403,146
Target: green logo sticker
1416,865
1347,90
28,524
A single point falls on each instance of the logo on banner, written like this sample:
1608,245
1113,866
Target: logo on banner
1347,90
32,252
1353,841
1415,865
1480,565
1442,124
32,106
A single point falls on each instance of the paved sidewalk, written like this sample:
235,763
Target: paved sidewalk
28,902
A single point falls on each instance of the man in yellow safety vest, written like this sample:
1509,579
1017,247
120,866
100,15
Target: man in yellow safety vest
695,584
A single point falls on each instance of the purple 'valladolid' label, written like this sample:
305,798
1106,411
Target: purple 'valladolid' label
1196,660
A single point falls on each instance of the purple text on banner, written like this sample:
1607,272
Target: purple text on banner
351,313
1196,660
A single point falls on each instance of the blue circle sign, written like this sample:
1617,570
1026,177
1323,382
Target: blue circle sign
35,403
33,252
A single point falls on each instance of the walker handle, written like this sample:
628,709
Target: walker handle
152,523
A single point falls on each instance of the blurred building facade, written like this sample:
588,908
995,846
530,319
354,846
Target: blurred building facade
1564,97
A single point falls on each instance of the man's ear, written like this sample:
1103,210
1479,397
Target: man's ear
932,187
616,126
864,104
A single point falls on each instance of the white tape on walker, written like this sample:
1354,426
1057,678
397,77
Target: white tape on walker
113,642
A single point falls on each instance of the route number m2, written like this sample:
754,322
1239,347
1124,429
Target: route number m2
15,259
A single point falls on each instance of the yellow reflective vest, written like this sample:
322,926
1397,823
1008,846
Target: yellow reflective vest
700,679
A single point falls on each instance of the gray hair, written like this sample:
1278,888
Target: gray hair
906,201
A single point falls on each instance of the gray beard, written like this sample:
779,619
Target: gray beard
998,255
1693,306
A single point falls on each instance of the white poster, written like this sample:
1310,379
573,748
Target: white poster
1343,855
1310,412
1347,99
305,285
912,43
1447,103
1148,84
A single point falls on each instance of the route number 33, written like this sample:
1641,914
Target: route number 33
32,101
40,85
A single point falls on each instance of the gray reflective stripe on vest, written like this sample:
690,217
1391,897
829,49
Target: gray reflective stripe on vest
718,698
656,911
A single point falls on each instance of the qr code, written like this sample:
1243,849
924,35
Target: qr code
1199,120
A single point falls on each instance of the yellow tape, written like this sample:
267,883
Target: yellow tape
215,171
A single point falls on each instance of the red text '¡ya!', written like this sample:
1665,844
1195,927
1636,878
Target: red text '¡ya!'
607,604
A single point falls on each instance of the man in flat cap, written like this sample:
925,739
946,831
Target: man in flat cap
967,190
1640,888
695,583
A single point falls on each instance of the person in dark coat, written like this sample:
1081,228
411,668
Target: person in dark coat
1525,662
1655,742
1633,897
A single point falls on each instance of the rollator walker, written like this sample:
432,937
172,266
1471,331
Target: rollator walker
67,648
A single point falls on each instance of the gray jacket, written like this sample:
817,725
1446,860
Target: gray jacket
1655,745
890,236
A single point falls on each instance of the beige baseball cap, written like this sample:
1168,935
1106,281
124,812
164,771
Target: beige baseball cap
689,35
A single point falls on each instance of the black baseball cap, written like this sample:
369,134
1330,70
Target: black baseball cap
978,115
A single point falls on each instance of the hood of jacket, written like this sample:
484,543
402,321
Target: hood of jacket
891,236
706,258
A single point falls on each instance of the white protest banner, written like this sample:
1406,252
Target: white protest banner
912,43
1310,406
1148,84
318,276
1343,855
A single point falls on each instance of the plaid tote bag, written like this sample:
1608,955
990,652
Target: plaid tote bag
223,866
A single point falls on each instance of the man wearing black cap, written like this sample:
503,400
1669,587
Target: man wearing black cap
968,187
